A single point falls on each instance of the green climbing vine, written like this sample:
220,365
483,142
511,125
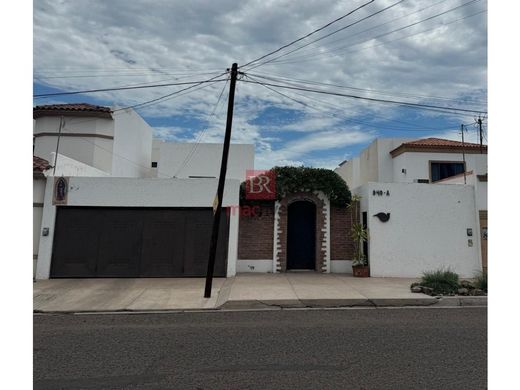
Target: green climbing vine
304,179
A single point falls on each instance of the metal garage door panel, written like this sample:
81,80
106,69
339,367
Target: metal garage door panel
163,243
198,235
120,243
75,243
134,242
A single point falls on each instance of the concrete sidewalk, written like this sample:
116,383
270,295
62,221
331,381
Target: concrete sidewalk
310,289
245,291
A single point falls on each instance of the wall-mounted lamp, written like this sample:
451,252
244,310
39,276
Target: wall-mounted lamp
383,217
403,170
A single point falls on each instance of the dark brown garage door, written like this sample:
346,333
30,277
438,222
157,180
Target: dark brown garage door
135,242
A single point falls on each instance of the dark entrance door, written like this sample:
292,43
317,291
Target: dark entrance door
135,242
301,235
365,242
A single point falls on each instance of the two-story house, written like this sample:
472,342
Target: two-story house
109,201
434,192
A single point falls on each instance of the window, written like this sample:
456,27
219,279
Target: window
154,164
441,170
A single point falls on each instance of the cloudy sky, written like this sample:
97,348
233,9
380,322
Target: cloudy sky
418,51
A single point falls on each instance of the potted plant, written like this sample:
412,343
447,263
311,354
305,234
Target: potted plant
358,234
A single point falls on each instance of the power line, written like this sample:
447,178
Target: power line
354,120
201,135
308,35
381,24
120,156
315,57
385,101
429,129
290,81
304,57
123,157
112,74
166,97
328,35
151,102
124,88
68,68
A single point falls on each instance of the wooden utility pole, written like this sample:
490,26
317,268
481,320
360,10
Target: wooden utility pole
480,132
217,204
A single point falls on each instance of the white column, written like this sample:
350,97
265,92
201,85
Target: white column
276,239
43,267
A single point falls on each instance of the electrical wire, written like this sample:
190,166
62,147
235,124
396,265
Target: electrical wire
339,109
328,35
170,95
149,169
308,35
201,135
331,52
312,57
377,26
150,102
125,88
290,81
376,100
97,75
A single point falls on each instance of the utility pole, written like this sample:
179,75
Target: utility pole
480,131
217,204
463,152
57,146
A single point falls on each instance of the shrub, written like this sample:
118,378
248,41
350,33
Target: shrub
481,281
442,281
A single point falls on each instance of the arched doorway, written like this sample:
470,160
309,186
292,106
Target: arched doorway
301,235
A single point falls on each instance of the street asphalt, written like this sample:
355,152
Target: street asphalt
399,348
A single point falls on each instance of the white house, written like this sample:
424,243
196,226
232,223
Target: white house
108,209
200,160
118,142
434,192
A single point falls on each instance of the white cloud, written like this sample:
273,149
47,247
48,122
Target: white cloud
105,44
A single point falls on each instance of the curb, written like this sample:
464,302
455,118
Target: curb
462,301
280,304
276,304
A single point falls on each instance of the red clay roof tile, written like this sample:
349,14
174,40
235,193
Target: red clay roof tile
437,144
73,108
40,164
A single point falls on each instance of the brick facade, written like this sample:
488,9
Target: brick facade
341,245
255,234
256,237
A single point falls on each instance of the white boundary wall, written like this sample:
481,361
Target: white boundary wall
427,229
131,192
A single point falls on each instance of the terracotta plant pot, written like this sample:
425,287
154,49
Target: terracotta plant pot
361,271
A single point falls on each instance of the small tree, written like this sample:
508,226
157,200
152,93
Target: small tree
357,232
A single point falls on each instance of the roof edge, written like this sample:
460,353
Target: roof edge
403,148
